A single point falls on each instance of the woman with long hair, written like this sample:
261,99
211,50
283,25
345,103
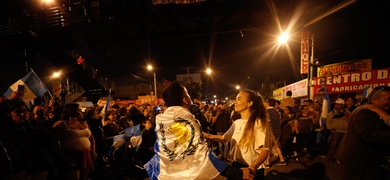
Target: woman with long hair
73,144
250,136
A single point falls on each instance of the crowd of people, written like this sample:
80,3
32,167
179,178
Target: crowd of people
186,138
53,141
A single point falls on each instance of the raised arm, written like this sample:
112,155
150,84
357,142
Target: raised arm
215,138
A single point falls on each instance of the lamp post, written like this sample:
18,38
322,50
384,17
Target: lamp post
150,68
57,84
208,71
306,48
311,64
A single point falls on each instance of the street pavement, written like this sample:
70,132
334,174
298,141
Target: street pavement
304,169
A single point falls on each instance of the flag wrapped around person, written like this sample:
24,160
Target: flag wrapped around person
184,152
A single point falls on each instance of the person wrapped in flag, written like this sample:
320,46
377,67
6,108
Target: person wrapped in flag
181,151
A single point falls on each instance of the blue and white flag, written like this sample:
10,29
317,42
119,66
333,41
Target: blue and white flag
324,113
107,105
367,91
34,87
181,151
325,108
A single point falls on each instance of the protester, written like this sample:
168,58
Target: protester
383,114
287,101
250,137
221,121
73,144
181,151
306,136
274,117
289,130
364,147
21,156
337,124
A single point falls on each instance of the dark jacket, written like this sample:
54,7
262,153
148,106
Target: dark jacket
366,142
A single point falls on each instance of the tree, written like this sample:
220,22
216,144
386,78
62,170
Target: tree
266,89
194,89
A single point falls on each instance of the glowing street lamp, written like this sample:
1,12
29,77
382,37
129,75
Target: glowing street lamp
283,38
209,71
150,68
56,83
56,74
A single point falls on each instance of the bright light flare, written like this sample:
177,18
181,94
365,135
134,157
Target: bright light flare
47,1
283,38
150,67
209,71
56,74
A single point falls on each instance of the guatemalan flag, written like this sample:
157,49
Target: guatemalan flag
367,91
325,108
33,88
107,105
181,151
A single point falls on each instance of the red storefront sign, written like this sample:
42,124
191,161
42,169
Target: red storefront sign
352,82
305,45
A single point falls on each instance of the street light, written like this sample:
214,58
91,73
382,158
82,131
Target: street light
306,49
209,73
150,68
56,83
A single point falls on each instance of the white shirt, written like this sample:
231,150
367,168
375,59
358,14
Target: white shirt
241,154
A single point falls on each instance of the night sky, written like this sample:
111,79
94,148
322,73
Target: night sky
242,56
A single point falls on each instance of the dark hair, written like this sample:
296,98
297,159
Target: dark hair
271,102
318,102
375,92
70,110
14,104
108,113
8,106
290,109
115,106
90,113
353,99
288,93
173,94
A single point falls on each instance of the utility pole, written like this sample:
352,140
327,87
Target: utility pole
311,64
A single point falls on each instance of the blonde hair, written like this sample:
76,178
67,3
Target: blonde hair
257,120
